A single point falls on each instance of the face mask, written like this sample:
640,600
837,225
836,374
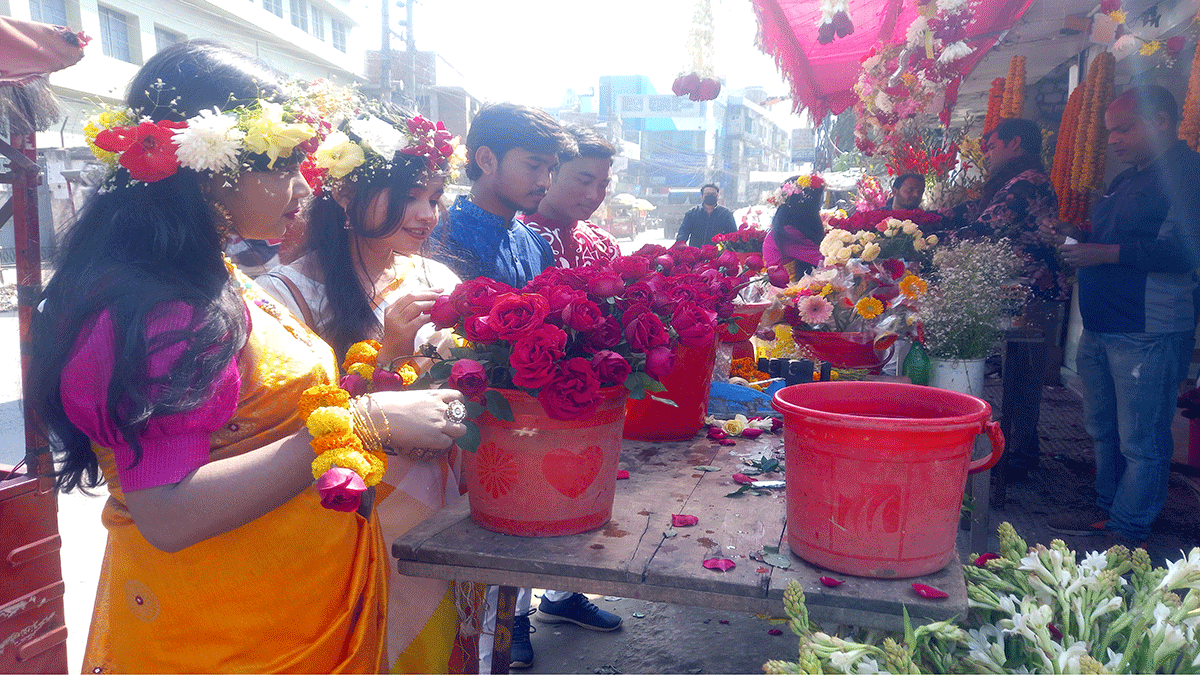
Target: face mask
711,200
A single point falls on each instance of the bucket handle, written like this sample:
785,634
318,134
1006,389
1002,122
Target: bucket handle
996,436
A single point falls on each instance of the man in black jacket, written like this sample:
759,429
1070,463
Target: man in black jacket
702,223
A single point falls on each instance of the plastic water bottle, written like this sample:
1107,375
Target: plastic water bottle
916,364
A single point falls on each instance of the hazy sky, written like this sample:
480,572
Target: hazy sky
531,51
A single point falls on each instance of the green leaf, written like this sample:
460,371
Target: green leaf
464,353
731,328
441,370
636,384
777,560
474,410
498,406
470,440
654,385
741,492
770,549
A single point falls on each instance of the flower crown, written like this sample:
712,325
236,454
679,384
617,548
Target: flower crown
214,140
808,186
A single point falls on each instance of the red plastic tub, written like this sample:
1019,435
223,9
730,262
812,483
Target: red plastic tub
688,385
876,473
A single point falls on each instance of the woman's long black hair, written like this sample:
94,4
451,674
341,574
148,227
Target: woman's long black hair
329,240
801,211
135,247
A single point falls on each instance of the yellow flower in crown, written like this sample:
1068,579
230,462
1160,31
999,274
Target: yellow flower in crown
1150,47
108,119
362,352
320,396
367,466
408,373
364,370
1118,16
868,307
804,181
339,155
267,133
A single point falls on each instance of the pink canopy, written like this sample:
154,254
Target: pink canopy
823,76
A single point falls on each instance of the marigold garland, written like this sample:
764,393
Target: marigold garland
1060,171
1189,127
1091,138
362,352
321,396
995,100
1014,89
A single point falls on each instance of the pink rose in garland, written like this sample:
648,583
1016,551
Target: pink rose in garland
340,489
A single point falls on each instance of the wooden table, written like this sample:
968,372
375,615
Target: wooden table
633,557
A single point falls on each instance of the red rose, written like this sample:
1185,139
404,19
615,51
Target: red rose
581,314
340,489
606,284
443,314
631,268
535,354
727,259
778,276
665,263
754,262
1175,45
559,296
604,335
685,255
515,314
651,250
695,325
574,392
640,293
476,296
477,329
469,377
660,361
611,367
644,330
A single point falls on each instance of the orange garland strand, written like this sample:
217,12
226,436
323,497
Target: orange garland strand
1189,126
995,99
1014,89
1060,173
1091,138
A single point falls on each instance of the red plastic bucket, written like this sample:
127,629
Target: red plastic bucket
687,385
846,350
540,477
876,473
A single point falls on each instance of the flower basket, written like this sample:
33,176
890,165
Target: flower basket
846,350
687,387
540,477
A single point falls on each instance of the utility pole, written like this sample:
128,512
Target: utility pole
385,54
410,82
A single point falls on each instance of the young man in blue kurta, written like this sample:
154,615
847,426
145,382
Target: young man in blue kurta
511,152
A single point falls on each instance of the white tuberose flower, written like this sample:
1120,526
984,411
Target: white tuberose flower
954,52
210,142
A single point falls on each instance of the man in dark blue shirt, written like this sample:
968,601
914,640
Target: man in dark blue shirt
702,223
1136,282
511,152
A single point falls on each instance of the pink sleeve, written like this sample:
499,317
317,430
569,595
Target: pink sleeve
172,445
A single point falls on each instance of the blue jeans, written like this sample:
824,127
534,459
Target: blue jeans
1130,382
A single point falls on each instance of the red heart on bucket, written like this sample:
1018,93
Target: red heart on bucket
571,473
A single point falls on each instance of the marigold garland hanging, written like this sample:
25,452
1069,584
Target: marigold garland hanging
1091,138
1014,89
995,100
1060,171
1189,127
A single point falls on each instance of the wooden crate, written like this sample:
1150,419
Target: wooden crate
33,631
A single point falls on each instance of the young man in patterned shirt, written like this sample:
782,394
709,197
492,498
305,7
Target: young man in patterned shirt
579,188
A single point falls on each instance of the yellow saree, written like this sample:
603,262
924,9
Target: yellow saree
301,589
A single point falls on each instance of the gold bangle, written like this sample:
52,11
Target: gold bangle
387,426
364,429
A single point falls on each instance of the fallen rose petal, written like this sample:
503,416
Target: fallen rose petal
776,424
751,433
831,582
622,474
725,621
722,564
1054,631
727,441
683,520
742,479
763,570
716,433
930,592
774,631
981,561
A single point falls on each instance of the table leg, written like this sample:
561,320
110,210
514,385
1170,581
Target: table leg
506,605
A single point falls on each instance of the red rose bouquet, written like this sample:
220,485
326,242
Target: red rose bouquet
572,331
745,239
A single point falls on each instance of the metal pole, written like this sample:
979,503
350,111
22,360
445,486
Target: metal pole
411,45
385,54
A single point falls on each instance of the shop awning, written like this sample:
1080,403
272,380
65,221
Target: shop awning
822,77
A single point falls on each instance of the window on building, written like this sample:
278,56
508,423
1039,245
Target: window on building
274,6
318,23
164,38
338,34
49,11
300,14
116,34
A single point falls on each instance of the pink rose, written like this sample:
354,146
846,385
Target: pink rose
665,263
611,367
660,361
574,393
476,296
514,315
604,335
727,259
534,356
340,489
386,380
695,325
631,268
477,329
443,314
778,276
606,284
469,377
353,384
754,262
581,314
644,330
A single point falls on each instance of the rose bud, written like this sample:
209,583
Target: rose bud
778,276
340,489
659,362
354,385
443,314
754,262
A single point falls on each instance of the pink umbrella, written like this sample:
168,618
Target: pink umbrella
823,75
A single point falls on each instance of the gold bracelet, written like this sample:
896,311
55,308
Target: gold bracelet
364,430
387,427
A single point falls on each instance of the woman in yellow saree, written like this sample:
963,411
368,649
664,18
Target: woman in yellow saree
166,374
362,276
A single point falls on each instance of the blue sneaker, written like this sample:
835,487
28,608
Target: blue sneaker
577,609
521,653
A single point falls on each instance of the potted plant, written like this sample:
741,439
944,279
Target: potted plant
973,288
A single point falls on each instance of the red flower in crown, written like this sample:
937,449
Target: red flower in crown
147,150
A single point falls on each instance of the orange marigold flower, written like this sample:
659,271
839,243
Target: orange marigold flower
345,439
868,307
321,396
362,352
408,373
364,370
329,420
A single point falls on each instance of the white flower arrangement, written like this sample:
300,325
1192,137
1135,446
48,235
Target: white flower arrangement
210,142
